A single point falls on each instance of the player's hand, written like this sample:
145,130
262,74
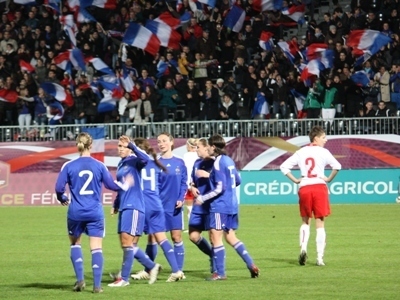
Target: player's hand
113,211
195,191
202,173
326,179
64,201
129,180
179,204
297,180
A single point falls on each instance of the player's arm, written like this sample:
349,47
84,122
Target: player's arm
238,179
115,185
288,165
219,182
335,165
140,154
60,186
115,206
183,186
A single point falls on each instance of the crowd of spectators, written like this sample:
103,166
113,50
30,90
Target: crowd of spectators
216,74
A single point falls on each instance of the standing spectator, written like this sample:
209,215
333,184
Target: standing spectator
210,99
313,100
168,100
192,101
313,192
383,79
228,109
279,96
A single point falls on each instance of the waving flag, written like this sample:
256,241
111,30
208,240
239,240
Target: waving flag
107,4
360,78
185,18
291,50
55,90
299,99
162,68
313,68
73,4
370,40
57,110
313,51
266,42
8,96
168,19
108,103
25,66
84,16
69,27
97,134
235,18
167,35
53,4
210,3
263,5
260,106
99,65
295,12
142,38
74,56
126,80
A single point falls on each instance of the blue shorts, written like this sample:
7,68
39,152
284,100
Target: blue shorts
154,222
131,221
174,221
223,222
91,228
199,221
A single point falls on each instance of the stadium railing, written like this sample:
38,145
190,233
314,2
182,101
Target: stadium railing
232,128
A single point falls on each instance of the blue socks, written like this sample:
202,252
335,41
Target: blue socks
241,250
179,254
127,263
151,251
97,267
143,258
169,254
204,246
77,261
219,260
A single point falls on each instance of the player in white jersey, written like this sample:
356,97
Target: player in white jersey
313,191
189,158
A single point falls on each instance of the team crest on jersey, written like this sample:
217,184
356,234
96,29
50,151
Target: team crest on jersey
177,170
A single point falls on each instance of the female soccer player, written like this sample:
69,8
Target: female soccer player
313,192
155,216
201,184
84,176
189,158
130,205
173,186
223,218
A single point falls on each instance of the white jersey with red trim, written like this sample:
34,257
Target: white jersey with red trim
312,161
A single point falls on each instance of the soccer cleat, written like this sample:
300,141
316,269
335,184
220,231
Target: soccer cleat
254,271
302,258
216,277
175,276
79,286
141,275
119,283
115,276
320,262
211,266
154,273
97,290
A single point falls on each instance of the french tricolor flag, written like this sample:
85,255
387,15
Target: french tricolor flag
55,90
291,49
26,67
126,80
299,99
235,18
59,111
97,134
142,38
53,4
370,40
296,13
263,5
313,68
108,103
168,37
266,41
73,4
313,51
210,3
107,4
360,78
74,56
100,65
10,96
168,19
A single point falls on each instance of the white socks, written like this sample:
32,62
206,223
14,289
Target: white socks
321,242
304,236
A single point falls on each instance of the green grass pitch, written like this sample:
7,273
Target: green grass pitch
362,258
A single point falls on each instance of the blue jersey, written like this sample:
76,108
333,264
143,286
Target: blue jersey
173,184
85,176
151,191
202,184
224,178
133,164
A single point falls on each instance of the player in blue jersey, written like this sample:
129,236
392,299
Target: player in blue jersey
155,216
85,176
200,184
131,208
173,188
223,218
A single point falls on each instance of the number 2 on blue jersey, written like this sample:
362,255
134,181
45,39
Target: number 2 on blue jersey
84,190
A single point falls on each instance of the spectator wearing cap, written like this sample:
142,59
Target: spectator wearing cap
228,109
220,86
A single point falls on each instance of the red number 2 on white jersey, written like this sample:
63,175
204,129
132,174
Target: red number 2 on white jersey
310,163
